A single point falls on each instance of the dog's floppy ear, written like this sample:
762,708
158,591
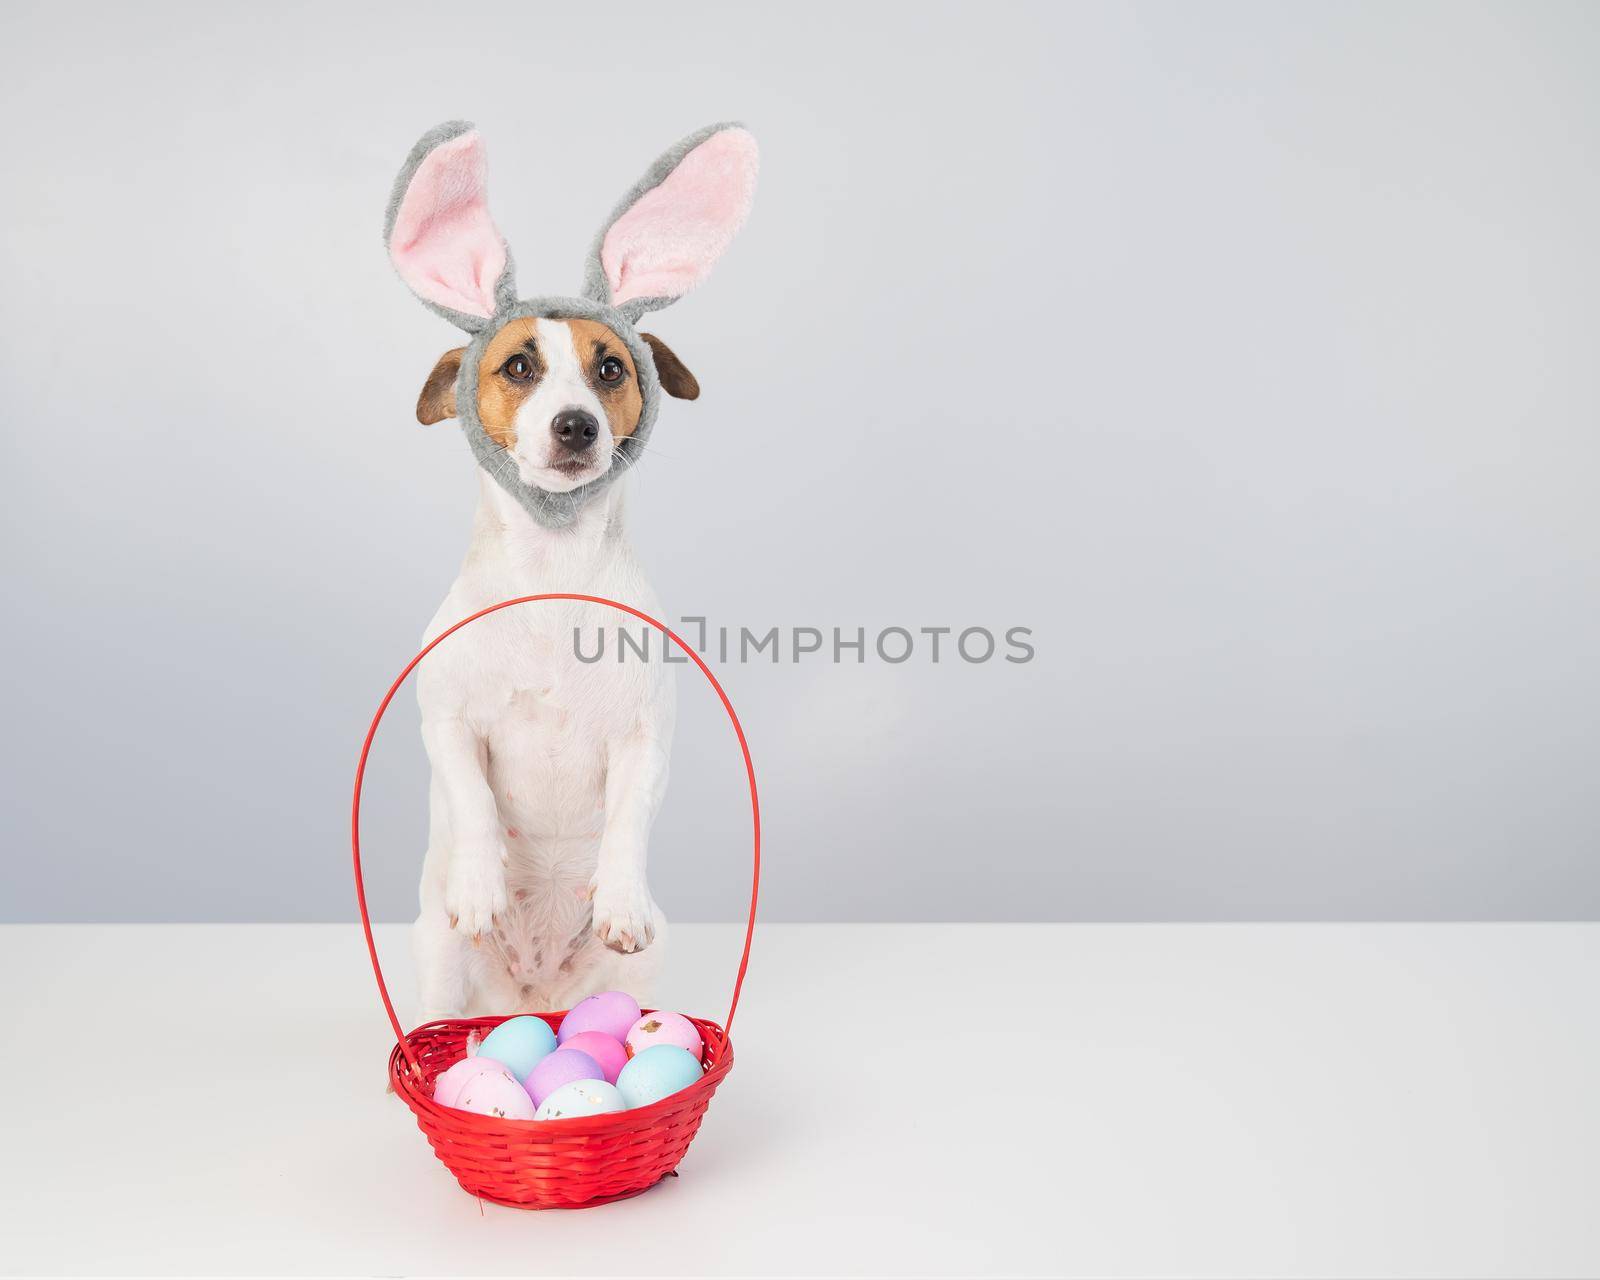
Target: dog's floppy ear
676,380
438,399
668,232
439,233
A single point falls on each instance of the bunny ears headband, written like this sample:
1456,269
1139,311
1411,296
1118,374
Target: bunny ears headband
660,241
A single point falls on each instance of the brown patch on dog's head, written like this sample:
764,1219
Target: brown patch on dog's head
676,380
508,371
438,399
609,370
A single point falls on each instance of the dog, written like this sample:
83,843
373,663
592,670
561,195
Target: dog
548,768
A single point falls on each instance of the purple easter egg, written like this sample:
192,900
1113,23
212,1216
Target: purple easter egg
559,1068
662,1027
611,1012
611,1056
447,1086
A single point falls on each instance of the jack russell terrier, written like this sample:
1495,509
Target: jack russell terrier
548,771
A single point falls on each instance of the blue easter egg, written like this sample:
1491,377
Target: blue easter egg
656,1073
519,1043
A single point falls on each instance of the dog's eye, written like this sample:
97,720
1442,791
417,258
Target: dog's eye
518,367
612,369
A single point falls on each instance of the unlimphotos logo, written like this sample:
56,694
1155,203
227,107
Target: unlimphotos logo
892,645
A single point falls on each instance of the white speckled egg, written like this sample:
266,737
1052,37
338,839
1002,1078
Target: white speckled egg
581,1098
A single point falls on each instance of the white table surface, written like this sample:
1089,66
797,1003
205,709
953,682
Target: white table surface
1269,1100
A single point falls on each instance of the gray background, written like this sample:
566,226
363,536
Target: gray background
1246,353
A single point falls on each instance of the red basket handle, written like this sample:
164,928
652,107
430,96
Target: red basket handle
372,731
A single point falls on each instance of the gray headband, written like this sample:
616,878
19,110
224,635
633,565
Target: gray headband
659,242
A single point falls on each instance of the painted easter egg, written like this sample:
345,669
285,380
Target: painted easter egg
580,1098
612,1012
662,1027
603,1049
559,1068
495,1093
484,1087
519,1043
657,1072
447,1087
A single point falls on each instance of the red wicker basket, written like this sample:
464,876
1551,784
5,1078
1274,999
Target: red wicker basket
551,1164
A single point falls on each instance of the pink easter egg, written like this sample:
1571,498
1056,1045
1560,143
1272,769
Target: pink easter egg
559,1068
662,1027
447,1086
495,1093
612,1012
609,1053
484,1087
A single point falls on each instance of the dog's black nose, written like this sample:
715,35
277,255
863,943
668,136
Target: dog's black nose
575,429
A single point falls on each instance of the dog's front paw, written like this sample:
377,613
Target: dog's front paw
624,917
475,891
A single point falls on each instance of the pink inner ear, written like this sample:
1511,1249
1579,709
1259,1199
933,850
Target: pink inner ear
444,243
669,240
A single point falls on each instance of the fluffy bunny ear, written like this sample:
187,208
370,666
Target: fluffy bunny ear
668,232
439,233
